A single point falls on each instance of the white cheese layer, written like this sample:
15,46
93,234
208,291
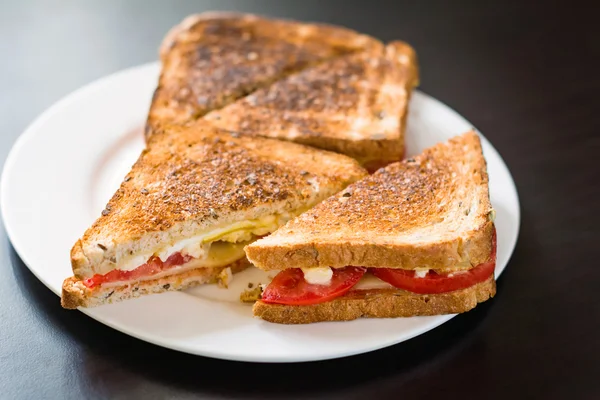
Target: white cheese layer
322,276
369,281
171,271
421,272
318,276
220,255
199,246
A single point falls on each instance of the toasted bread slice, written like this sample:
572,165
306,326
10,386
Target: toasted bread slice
204,183
354,104
212,59
378,303
432,211
76,294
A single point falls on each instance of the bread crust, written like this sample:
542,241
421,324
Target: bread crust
76,294
443,257
432,211
378,303
212,59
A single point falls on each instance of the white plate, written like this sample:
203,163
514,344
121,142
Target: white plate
65,167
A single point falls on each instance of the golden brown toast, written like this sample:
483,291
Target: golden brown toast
378,303
190,181
354,104
432,211
212,59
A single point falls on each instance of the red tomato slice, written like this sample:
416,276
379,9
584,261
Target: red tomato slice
438,283
153,266
289,287
434,283
175,260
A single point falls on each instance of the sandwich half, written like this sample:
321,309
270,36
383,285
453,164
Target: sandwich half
194,198
415,238
212,59
355,104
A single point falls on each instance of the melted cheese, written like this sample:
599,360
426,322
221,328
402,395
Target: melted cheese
369,281
200,246
318,276
171,271
421,272
220,254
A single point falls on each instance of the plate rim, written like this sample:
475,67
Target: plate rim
73,96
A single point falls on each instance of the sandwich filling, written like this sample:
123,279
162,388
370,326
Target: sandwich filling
216,248
297,287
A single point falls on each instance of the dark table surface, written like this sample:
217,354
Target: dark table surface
526,74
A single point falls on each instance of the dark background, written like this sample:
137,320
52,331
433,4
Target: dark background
524,73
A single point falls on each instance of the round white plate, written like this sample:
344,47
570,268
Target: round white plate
67,164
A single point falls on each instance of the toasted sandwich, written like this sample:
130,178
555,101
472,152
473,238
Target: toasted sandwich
355,104
212,59
415,238
194,198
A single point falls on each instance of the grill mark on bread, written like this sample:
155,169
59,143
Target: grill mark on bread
337,105
190,179
191,188
401,196
406,215
211,60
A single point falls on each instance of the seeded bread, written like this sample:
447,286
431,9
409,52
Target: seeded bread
189,180
76,294
354,104
432,211
212,59
378,303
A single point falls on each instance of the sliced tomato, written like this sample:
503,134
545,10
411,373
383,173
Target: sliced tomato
433,282
153,266
289,287
175,260
438,283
